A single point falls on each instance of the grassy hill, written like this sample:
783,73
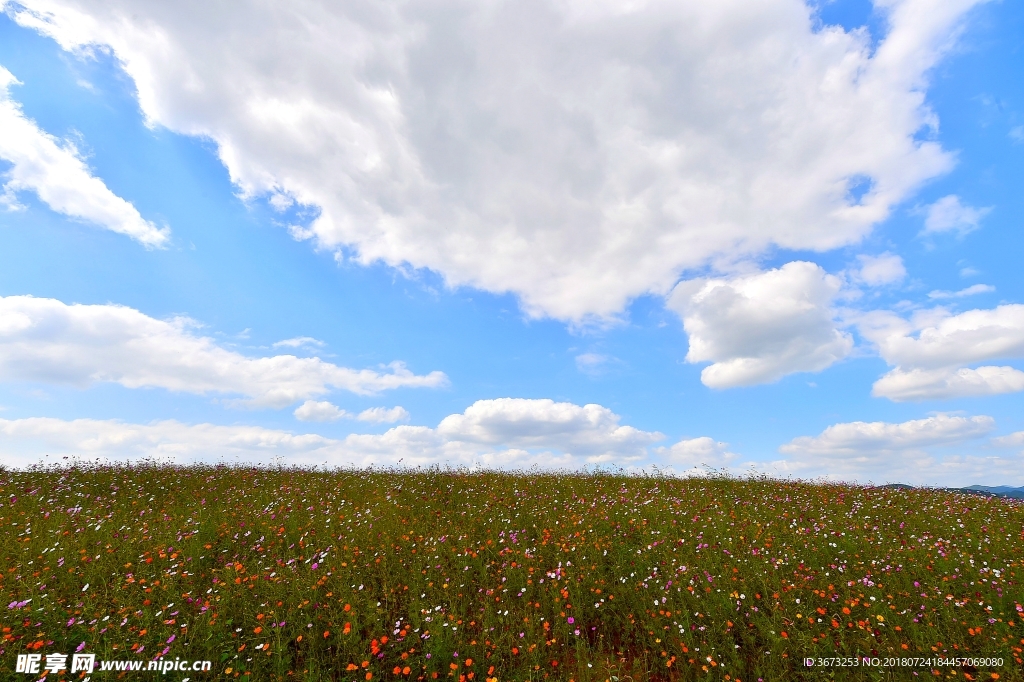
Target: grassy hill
382,575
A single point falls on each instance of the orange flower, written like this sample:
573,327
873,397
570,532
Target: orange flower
784,635
258,630
369,676
327,633
406,670
397,671
352,666
469,662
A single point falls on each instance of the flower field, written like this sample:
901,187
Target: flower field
441,575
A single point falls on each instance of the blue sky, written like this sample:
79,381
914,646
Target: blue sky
592,235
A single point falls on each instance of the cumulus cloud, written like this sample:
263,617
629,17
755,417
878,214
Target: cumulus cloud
591,430
319,411
697,456
915,452
1010,440
46,340
509,433
44,440
503,433
576,154
948,382
758,328
886,268
59,176
932,349
949,215
879,439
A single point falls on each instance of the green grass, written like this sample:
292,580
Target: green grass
296,574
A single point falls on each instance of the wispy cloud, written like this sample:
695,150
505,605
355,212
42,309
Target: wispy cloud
299,342
948,214
969,291
59,176
46,340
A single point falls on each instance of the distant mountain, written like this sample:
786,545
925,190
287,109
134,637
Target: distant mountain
1000,490
995,491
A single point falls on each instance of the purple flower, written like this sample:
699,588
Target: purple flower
316,566
171,639
570,620
80,647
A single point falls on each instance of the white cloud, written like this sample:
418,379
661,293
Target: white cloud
949,215
576,154
59,176
383,415
590,430
593,364
510,434
319,411
915,452
931,350
697,456
24,442
43,339
1009,441
299,342
324,411
947,382
758,328
886,268
972,290
1017,134
881,439
504,433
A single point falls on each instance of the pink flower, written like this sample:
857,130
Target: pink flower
80,647
570,620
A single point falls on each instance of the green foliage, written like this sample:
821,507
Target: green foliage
455,575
